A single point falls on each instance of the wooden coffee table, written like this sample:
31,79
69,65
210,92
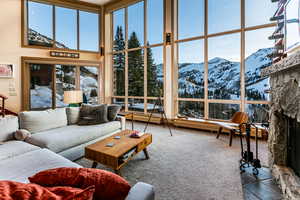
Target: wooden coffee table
114,156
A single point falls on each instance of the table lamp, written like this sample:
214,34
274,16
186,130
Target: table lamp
73,97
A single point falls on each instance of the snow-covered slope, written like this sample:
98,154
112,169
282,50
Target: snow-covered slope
224,77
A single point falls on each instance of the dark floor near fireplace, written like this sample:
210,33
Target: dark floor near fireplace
262,187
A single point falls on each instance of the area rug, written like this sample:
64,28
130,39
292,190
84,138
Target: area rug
191,165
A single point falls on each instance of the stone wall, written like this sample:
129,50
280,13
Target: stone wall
285,103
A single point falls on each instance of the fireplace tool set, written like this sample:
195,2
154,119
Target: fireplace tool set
248,159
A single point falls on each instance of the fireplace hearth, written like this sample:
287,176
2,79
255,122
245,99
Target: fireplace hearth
284,136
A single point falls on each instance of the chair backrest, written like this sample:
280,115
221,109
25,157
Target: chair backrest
239,118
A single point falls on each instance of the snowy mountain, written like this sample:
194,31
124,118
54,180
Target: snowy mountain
224,77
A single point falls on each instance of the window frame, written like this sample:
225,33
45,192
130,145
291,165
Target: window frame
26,61
144,47
242,102
77,6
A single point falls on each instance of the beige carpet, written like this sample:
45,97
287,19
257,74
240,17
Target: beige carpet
191,165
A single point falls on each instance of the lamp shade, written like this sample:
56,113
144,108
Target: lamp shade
73,96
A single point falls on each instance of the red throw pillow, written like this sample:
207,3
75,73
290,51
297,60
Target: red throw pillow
108,186
10,190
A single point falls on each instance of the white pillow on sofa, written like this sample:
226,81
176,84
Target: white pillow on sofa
36,121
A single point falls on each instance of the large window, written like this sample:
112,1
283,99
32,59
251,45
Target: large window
220,47
210,59
62,27
138,55
48,83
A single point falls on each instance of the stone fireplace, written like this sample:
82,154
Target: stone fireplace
284,136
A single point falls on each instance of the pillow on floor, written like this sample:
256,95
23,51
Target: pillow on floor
92,114
108,186
112,111
13,190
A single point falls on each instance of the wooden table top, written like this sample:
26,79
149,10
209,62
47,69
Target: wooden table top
121,146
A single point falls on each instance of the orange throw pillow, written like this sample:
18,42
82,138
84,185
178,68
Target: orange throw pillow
10,190
108,186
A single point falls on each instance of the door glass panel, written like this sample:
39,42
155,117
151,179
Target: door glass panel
41,86
65,80
89,84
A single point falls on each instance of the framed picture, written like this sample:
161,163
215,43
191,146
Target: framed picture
6,70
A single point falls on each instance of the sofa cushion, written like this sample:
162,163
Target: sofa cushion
73,114
36,121
19,168
14,148
63,138
93,114
108,185
8,125
112,111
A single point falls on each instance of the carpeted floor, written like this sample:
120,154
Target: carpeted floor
191,165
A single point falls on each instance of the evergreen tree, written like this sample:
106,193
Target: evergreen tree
135,68
153,84
119,63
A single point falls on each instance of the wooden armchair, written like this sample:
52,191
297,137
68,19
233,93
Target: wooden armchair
234,125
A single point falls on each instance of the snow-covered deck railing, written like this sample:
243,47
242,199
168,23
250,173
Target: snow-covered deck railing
285,64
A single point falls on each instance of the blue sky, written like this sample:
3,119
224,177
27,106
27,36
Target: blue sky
223,15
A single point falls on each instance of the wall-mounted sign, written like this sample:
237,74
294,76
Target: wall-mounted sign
64,54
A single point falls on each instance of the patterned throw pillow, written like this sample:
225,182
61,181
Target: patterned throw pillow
92,114
112,111
108,186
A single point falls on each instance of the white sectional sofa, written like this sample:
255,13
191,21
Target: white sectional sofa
53,143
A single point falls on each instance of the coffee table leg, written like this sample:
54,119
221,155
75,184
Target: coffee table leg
94,164
146,153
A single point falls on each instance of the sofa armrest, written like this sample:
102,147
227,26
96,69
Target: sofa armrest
141,191
122,121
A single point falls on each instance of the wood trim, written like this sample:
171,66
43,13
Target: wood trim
60,61
85,6
145,57
24,22
52,61
242,57
116,5
206,104
78,6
